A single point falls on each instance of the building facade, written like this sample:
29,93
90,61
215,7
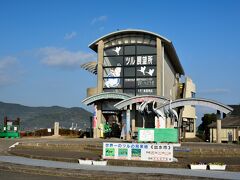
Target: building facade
230,127
137,63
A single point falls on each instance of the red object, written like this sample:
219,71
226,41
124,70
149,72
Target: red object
94,123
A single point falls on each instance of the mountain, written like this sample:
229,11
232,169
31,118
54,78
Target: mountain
44,117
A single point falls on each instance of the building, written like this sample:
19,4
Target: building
230,127
142,64
188,113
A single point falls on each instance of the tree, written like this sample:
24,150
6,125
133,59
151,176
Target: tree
203,127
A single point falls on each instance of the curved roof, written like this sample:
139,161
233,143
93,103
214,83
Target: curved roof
197,101
126,31
139,99
167,45
105,95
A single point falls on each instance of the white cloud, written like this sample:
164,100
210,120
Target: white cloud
62,58
70,35
9,70
99,19
215,91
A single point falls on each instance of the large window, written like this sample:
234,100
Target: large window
130,69
189,125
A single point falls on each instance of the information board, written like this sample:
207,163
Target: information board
159,135
161,152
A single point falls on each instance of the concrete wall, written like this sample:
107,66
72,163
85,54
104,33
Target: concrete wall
170,81
160,70
91,91
224,134
100,67
189,111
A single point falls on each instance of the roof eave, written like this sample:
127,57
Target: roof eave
178,66
93,45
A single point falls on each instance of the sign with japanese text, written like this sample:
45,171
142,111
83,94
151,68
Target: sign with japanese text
130,69
146,135
162,152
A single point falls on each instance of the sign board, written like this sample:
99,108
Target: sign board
161,152
9,123
49,130
130,69
146,135
161,135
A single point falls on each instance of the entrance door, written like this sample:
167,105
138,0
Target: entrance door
114,120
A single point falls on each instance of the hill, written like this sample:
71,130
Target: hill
44,117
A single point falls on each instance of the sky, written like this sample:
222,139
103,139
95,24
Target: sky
44,42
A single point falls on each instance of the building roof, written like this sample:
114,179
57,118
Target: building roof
196,102
228,122
105,96
168,46
236,110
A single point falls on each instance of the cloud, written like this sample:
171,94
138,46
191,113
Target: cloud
70,35
99,19
9,70
215,91
62,58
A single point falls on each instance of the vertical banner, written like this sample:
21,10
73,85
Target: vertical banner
128,122
94,120
161,152
124,126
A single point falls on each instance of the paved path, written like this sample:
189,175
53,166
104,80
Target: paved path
122,169
6,175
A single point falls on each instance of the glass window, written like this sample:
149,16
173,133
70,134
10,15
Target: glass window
112,72
113,61
189,125
112,82
193,94
109,105
146,91
129,60
115,51
146,50
129,91
113,90
129,83
129,71
129,50
146,60
137,63
146,71
145,82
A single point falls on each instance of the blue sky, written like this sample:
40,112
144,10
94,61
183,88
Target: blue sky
43,43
